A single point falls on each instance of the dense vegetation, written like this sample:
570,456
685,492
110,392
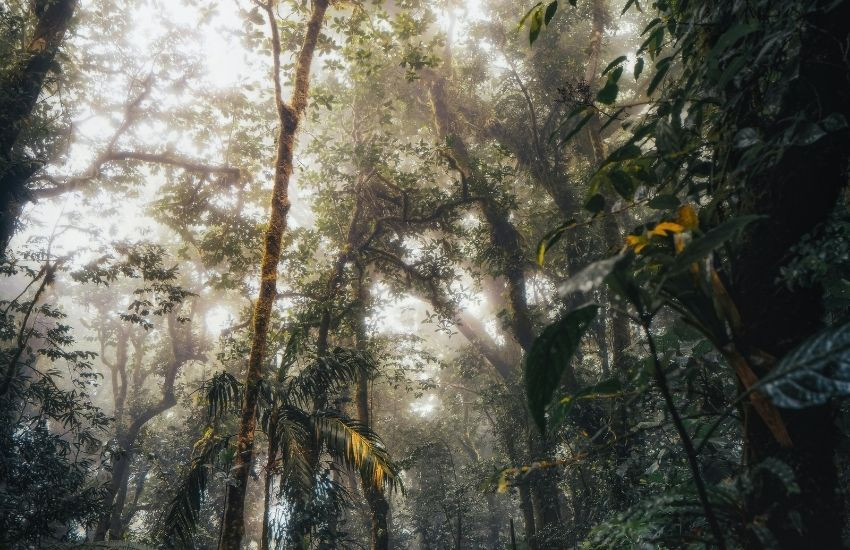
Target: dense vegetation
425,274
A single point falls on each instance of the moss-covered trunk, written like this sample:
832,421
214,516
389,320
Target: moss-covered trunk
289,118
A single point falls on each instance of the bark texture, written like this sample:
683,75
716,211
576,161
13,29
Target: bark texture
796,195
289,115
20,88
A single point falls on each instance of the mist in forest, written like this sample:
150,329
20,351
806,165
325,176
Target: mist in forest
424,274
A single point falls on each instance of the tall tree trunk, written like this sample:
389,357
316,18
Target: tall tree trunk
19,91
268,484
375,498
776,318
527,509
289,117
505,238
494,527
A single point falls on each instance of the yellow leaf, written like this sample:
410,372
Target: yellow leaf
665,228
679,243
638,242
688,217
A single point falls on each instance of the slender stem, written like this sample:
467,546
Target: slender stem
687,444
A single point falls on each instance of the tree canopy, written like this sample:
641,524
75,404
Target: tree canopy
424,274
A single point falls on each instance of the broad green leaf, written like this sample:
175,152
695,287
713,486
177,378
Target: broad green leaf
595,204
728,38
808,133
589,277
812,374
834,122
626,152
746,137
703,246
622,183
664,202
638,67
613,118
577,128
528,14
535,25
549,357
650,25
608,93
661,69
550,11
627,6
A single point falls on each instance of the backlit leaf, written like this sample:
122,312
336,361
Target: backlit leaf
812,374
550,238
549,357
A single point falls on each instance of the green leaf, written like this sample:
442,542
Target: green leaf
703,246
728,38
550,11
626,152
549,357
638,67
815,372
664,202
255,17
591,276
661,69
528,14
550,238
535,25
608,93
746,137
577,128
614,63
595,204
834,122
622,183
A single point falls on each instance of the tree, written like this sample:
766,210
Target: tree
20,88
289,116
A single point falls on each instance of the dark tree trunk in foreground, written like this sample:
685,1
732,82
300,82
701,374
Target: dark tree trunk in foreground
379,508
19,90
290,115
797,195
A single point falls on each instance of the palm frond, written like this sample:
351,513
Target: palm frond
290,428
330,373
356,446
182,517
223,393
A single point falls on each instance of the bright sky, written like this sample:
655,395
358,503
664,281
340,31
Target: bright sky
216,28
